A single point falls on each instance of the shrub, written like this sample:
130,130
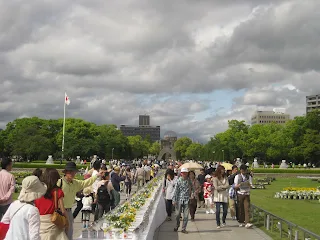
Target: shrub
289,170
43,165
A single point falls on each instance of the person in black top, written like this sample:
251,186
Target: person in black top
210,170
168,171
233,201
233,175
201,179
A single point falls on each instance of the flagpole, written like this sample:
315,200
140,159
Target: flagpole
63,129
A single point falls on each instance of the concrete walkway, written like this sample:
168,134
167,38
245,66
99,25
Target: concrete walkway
204,227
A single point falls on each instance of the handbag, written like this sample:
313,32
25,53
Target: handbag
57,217
4,227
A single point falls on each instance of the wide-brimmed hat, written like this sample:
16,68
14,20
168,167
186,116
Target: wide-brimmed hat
32,189
70,166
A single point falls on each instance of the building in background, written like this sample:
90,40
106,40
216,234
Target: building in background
312,103
144,129
277,116
144,120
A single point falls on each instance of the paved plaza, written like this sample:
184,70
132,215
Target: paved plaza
204,228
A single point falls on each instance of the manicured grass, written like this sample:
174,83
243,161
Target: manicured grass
304,213
289,170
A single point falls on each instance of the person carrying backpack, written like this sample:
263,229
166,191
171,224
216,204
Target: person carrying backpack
104,195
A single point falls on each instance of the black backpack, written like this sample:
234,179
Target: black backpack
103,194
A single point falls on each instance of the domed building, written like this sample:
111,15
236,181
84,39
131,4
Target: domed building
167,145
170,136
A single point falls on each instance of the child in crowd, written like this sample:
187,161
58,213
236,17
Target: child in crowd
207,194
87,201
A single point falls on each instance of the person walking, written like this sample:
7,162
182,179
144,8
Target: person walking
70,186
116,180
181,198
196,188
169,192
220,196
233,194
104,195
7,185
243,183
128,182
208,194
22,215
140,176
86,210
201,179
47,205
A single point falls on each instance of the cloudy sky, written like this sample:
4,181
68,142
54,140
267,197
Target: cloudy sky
191,64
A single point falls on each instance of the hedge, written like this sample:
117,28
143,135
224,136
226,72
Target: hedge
42,165
289,170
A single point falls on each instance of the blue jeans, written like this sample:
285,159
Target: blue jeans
183,208
224,213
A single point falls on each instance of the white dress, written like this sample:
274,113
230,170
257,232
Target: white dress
25,224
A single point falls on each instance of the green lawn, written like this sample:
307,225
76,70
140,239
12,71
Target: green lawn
301,212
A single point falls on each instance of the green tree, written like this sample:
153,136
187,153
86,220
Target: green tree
139,147
155,148
181,146
194,151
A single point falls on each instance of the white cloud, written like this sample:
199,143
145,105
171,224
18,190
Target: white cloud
119,59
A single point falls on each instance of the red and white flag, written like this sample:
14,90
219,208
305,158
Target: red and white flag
66,99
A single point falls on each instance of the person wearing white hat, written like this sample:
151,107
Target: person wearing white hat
181,199
22,215
207,194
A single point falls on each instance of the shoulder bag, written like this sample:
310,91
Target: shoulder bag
4,227
57,217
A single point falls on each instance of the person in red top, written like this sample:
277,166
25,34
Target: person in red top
46,206
207,195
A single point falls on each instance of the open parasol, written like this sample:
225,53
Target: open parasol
227,166
191,165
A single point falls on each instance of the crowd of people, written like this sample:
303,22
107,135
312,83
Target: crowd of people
213,189
44,208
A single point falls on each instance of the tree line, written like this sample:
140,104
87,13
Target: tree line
35,139
297,141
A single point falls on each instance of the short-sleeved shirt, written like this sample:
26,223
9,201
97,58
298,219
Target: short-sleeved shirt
46,206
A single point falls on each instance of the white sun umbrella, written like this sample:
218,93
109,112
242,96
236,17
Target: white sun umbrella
191,166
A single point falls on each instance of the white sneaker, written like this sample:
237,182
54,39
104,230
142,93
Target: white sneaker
218,227
223,225
249,225
212,212
241,225
207,212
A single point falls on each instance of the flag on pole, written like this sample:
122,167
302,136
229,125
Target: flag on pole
66,99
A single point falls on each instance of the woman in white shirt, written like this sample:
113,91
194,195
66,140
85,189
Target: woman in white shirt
22,215
221,197
169,192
